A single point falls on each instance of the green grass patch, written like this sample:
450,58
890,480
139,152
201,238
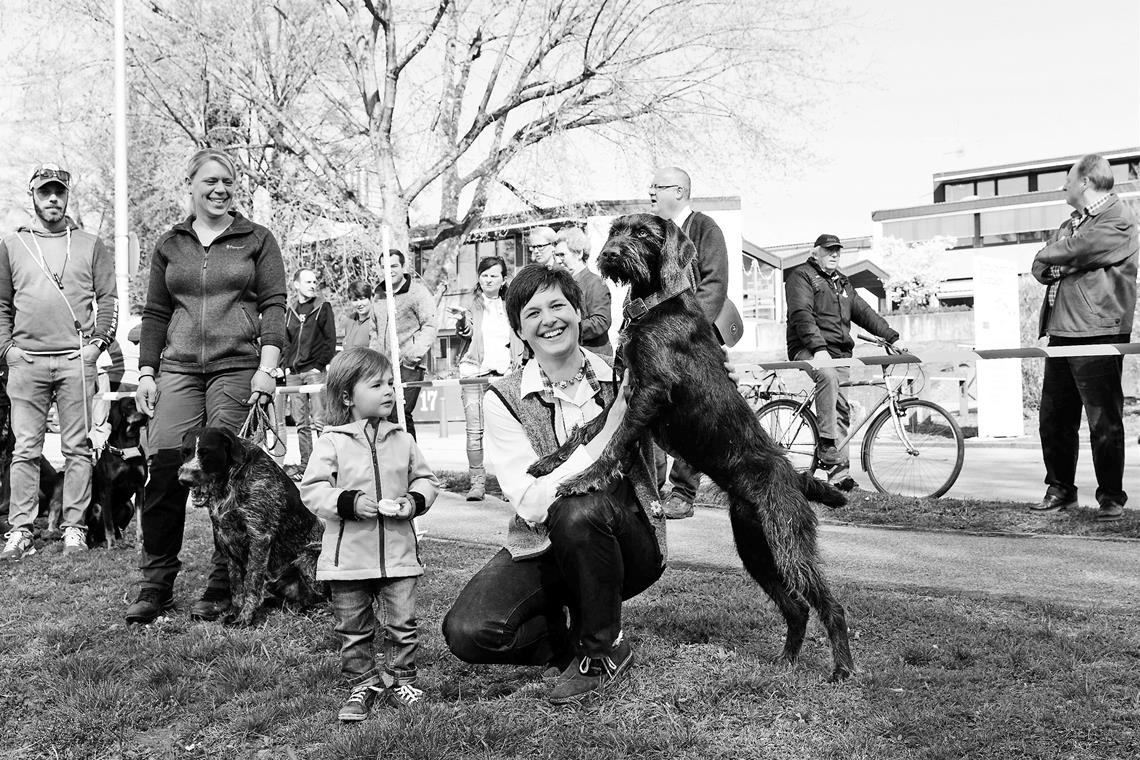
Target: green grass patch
939,677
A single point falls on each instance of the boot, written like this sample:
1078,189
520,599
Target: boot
478,484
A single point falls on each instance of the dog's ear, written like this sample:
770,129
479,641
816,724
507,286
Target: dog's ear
235,449
115,414
677,253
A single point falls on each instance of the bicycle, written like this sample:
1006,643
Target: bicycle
919,453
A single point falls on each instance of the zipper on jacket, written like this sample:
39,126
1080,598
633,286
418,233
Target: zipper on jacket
202,299
379,495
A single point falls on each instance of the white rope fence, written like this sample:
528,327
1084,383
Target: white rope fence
927,357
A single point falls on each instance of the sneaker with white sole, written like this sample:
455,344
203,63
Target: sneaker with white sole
18,545
74,540
404,695
359,702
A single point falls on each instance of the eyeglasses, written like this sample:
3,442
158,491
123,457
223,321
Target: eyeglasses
655,188
541,245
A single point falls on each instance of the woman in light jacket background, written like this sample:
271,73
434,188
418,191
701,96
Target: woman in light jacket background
493,350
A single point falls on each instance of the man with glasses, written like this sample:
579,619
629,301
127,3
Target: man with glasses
58,312
669,198
822,304
542,242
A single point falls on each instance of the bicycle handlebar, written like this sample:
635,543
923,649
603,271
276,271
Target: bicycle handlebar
890,348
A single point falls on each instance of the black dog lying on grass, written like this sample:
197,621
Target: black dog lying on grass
679,392
271,542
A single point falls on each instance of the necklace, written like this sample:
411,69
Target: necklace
573,380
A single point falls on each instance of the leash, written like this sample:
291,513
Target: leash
259,425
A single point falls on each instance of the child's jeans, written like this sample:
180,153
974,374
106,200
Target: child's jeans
356,625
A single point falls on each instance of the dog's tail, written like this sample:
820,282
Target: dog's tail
822,491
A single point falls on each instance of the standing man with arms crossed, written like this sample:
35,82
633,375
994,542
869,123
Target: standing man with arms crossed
822,304
415,328
1089,269
53,278
669,198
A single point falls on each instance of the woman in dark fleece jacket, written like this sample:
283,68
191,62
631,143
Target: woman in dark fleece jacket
212,332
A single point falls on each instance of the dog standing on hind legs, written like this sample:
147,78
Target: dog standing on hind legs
679,392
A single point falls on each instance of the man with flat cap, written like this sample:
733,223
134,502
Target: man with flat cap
822,304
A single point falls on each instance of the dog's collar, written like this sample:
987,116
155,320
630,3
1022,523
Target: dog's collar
132,453
637,308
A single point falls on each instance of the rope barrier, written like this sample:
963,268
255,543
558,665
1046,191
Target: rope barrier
878,360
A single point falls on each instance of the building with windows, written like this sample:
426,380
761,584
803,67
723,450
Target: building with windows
1009,210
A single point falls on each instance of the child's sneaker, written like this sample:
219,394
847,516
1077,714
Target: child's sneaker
18,545
359,702
404,695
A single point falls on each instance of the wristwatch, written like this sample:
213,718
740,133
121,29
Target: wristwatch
100,343
267,370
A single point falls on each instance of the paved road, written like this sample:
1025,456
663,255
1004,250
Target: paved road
1078,571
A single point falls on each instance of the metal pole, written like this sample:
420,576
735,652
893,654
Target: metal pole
122,276
393,338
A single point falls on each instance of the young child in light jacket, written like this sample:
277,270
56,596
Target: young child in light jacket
366,480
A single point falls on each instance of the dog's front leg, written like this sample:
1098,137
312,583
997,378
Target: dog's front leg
549,463
643,406
254,591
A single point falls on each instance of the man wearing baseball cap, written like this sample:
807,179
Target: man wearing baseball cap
57,314
822,304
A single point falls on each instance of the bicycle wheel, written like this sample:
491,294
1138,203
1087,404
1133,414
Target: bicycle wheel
793,430
926,463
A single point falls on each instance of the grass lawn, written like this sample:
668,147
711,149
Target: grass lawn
874,508
940,677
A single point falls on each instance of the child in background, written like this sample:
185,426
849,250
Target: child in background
367,479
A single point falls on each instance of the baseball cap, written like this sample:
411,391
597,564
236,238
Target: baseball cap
828,241
45,173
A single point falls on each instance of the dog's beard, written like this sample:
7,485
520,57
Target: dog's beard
625,263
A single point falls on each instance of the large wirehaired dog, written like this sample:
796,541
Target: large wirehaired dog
270,541
679,392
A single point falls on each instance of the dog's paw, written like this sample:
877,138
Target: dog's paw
840,674
544,466
585,482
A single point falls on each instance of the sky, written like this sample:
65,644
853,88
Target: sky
923,87
947,86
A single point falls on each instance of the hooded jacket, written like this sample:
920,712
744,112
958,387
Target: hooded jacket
346,464
821,308
32,314
210,309
311,330
415,320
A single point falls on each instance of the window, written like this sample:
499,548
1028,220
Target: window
760,291
1126,172
1047,182
465,266
1013,185
959,191
984,188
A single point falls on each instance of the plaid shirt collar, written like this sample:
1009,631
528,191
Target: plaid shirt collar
1098,205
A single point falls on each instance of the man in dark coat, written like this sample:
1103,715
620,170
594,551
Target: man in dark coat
1089,269
822,304
669,198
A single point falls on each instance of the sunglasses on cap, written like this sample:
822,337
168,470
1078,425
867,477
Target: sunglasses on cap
49,172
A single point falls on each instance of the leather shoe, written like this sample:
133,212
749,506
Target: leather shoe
1110,511
213,604
151,603
1054,503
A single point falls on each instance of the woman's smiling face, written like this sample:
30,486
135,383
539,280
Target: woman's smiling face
212,190
549,324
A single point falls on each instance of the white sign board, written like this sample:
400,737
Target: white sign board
997,325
